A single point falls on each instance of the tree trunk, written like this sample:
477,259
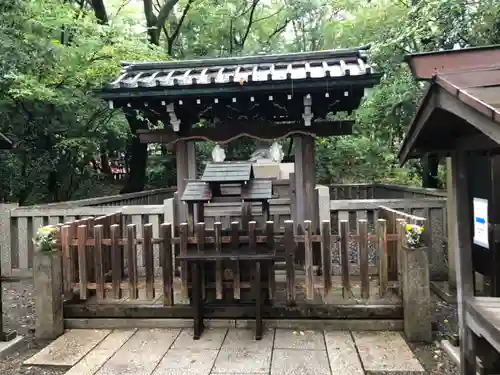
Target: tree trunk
138,157
430,166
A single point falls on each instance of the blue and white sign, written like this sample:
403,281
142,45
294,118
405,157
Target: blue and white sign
480,208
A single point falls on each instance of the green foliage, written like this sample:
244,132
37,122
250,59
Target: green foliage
54,53
46,92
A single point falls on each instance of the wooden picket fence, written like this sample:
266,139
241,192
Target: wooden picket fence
100,254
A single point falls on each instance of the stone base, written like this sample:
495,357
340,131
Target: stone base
452,351
444,291
7,347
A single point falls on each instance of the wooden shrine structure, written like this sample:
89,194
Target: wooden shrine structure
267,97
459,117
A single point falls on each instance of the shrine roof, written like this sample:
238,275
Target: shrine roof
258,190
461,104
197,192
227,172
191,76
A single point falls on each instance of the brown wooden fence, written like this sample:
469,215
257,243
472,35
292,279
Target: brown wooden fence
101,255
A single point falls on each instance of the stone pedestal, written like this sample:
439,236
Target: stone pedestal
47,274
416,294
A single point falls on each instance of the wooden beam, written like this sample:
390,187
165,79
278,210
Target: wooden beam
480,121
223,132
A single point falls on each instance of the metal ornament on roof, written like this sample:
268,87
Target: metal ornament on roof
276,152
218,154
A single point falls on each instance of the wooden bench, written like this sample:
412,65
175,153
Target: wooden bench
482,319
197,260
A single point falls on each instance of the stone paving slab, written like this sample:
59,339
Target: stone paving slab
187,361
300,362
383,352
342,353
211,338
69,348
244,338
101,353
304,340
141,353
243,361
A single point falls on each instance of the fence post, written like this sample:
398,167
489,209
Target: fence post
48,295
5,238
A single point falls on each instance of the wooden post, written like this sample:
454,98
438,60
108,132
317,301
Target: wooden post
299,182
235,243
344,258
116,261
167,263
290,247
82,260
463,257
450,220
132,261
99,261
218,263
363,258
326,249
383,261
309,259
309,175
181,158
147,235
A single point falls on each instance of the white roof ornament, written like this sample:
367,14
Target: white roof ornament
276,152
218,154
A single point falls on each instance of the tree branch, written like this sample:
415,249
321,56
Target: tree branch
250,23
278,30
175,34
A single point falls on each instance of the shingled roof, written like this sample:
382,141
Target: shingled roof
197,192
137,78
257,190
228,172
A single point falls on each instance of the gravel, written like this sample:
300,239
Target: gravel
19,316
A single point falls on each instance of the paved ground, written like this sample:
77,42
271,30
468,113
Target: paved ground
228,351
19,315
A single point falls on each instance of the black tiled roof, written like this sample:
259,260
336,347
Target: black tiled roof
258,190
270,68
196,192
227,172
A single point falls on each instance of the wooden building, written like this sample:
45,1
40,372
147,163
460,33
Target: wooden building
263,97
459,117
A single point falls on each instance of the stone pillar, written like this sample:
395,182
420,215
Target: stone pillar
416,294
47,277
191,159
6,243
